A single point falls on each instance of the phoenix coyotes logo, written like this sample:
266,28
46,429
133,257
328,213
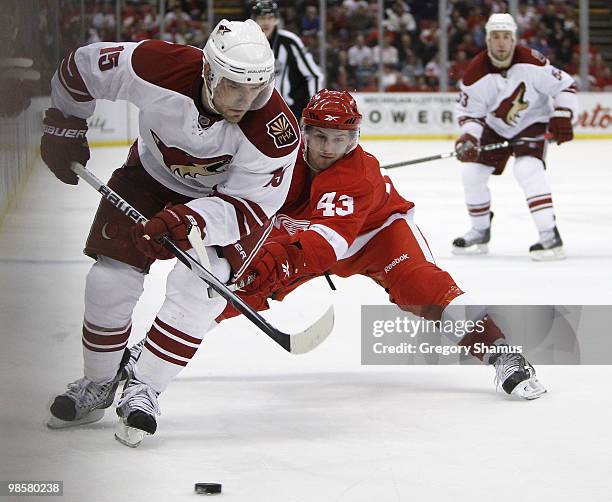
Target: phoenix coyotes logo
184,165
281,131
510,107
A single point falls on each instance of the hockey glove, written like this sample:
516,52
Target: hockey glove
466,148
560,125
174,222
63,142
274,266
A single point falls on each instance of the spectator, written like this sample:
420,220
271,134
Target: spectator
603,81
389,53
310,22
389,76
352,5
458,67
413,67
104,20
401,85
399,18
360,54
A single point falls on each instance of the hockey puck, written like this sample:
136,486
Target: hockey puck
208,488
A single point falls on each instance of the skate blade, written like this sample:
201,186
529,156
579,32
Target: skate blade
58,423
471,250
548,254
129,436
529,389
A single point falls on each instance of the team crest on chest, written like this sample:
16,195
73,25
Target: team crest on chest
281,131
509,109
183,165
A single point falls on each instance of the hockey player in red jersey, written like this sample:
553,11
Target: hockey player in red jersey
216,145
344,217
509,92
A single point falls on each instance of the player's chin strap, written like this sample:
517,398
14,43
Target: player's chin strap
484,148
296,343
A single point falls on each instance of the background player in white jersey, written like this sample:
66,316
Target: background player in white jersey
510,92
218,143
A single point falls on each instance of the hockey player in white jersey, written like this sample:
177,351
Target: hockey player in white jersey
216,146
509,92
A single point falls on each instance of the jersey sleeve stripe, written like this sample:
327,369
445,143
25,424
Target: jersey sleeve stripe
254,251
478,120
72,81
337,242
243,227
245,215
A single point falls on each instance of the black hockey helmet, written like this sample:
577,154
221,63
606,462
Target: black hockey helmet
264,7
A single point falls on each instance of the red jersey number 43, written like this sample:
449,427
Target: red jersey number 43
341,206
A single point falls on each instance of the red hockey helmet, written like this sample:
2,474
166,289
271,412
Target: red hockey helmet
332,110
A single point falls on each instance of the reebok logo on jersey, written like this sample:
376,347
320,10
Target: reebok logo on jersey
62,132
281,131
286,269
395,262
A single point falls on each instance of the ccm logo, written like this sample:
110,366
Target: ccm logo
62,132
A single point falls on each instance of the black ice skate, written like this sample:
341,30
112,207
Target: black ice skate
137,409
85,400
549,247
516,376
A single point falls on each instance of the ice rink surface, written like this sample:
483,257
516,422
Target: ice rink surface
273,427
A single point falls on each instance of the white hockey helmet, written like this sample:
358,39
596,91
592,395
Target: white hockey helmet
239,51
501,22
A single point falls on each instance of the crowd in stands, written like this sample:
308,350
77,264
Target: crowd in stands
409,49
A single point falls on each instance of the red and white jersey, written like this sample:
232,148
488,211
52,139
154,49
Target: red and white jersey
346,204
510,100
238,174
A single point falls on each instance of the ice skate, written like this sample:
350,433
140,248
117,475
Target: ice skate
135,350
85,401
549,247
473,242
137,409
516,376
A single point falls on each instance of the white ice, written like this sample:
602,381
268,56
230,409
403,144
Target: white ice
320,427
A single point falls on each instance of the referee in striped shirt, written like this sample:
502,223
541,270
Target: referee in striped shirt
298,77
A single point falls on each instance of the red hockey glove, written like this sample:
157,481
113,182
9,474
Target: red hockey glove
274,266
174,222
467,148
63,142
560,125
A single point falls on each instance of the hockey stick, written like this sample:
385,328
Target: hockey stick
485,148
296,343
